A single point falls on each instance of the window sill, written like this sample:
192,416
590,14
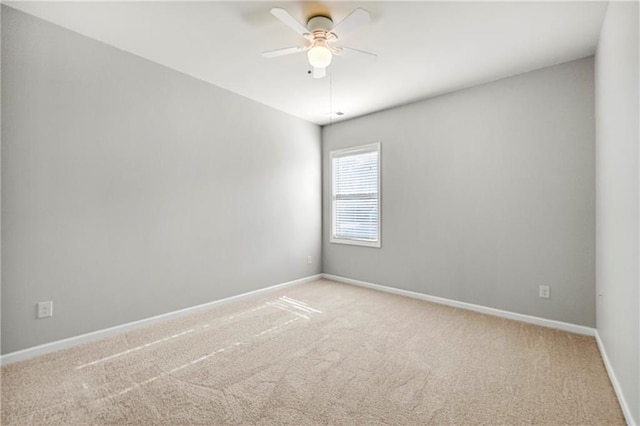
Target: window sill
373,244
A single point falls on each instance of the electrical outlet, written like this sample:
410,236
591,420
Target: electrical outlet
45,309
309,260
545,292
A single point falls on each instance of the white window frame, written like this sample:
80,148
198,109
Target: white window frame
343,153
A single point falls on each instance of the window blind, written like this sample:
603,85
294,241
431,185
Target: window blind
356,200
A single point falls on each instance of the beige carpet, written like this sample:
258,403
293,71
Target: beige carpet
319,353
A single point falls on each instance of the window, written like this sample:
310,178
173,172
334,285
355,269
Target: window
355,196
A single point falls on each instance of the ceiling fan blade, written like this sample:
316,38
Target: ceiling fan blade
319,72
282,52
352,22
289,20
346,51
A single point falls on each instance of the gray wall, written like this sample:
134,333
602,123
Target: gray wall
130,190
487,193
617,188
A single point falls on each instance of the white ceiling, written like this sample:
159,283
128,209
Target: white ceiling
424,48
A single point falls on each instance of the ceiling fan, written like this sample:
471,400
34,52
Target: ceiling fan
321,37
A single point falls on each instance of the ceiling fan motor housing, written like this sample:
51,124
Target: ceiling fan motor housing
319,23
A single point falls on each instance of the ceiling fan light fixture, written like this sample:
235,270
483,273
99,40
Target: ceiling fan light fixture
319,55
321,37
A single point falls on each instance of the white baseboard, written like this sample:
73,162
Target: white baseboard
101,334
565,326
614,382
